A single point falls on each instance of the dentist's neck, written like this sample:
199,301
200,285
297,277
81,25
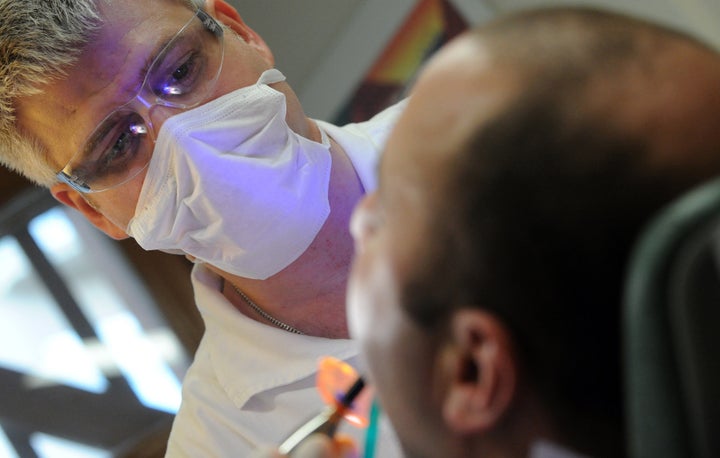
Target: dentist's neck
309,294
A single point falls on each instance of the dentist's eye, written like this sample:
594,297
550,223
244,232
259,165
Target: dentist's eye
180,77
112,149
181,72
122,149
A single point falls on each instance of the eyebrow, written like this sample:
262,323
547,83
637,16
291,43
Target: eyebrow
136,84
149,60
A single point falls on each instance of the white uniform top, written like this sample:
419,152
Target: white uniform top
252,384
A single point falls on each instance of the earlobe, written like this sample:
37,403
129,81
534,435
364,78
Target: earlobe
482,378
73,199
229,16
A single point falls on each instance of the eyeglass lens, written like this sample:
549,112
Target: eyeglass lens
181,76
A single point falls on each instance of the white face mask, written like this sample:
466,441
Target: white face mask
232,185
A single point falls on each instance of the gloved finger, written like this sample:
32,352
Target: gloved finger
345,446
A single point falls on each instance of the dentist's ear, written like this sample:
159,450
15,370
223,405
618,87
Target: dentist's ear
483,375
64,194
229,16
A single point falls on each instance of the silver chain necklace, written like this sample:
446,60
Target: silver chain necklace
266,315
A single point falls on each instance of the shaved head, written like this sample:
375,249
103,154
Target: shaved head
544,143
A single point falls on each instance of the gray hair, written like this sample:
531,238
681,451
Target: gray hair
38,41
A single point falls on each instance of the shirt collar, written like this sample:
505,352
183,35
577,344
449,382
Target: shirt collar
250,357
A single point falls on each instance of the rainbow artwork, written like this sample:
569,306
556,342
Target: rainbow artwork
428,26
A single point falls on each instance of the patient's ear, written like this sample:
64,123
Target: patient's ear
229,16
481,374
73,199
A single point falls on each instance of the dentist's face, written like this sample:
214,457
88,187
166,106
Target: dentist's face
110,71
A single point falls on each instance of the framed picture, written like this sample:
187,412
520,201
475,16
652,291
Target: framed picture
429,25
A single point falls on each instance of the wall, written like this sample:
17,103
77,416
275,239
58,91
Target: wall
325,46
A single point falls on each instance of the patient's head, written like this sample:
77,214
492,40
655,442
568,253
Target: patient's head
486,286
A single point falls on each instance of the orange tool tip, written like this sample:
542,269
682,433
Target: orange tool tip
334,379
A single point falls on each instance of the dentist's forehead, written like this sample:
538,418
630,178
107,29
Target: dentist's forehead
128,39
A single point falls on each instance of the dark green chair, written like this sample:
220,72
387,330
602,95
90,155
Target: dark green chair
671,331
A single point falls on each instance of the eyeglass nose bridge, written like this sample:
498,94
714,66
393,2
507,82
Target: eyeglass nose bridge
154,112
